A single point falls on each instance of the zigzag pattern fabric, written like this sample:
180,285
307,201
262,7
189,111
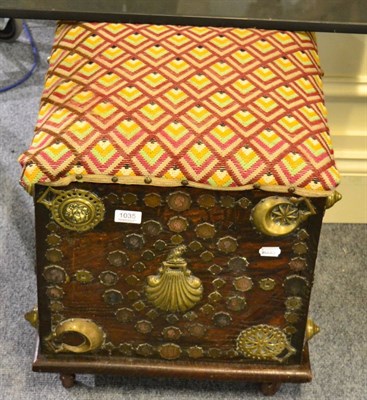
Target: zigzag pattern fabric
221,107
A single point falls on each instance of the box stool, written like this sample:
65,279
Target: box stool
180,175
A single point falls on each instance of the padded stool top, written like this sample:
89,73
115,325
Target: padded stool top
218,108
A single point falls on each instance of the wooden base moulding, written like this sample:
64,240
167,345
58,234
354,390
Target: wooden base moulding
269,376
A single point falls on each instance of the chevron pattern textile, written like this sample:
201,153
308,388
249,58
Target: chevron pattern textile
219,107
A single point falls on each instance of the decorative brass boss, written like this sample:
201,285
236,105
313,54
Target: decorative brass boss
75,209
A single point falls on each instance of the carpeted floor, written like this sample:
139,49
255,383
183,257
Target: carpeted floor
338,353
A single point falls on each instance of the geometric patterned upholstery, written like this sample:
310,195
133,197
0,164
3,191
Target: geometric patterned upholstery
221,108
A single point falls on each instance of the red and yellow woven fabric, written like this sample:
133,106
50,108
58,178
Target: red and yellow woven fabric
219,107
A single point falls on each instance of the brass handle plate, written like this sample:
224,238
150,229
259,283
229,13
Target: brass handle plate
92,334
279,216
75,209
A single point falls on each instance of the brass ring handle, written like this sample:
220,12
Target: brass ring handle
93,336
278,216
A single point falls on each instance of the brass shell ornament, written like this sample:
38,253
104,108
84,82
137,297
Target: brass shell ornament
278,216
75,209
93,336
174,288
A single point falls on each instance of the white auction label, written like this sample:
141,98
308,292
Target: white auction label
270,251
128,216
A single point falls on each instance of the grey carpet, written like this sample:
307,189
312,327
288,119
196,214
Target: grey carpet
338,353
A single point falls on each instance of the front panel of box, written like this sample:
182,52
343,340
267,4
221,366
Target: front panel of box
174,273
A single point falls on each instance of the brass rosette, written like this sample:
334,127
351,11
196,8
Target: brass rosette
278,216
264,342
75,209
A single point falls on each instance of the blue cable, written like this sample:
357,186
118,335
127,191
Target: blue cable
35,61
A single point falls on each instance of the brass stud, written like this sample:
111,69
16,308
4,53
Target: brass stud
144,327
148,180
267,284
170,351
184,182
124,315
79,177
195,352
114,179
291,189
256,186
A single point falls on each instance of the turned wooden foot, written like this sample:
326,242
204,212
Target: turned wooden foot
67,380
270,388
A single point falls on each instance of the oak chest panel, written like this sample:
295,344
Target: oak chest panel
195,280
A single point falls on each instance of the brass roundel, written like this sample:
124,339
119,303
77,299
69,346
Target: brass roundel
264,342
77,210
179,201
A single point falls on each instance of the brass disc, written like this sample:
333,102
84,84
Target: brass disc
77,210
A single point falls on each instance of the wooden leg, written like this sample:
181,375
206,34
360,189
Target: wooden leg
67,380
270,388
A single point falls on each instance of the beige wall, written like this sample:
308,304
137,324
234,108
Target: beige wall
344,60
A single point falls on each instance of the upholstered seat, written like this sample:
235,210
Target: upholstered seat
211,107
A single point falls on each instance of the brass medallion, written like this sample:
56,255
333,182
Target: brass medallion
54,293
53,239
174,288
126,349
236,303
195,352
267,284
55,274
134,241
54,255
227,244
75,209
295,285
294,303
222,319
195,246
112,297
129,198
264,342
170,351
124,315
300,248
215,297
298,264
227,201
215,269
152,228
145,350
205,230
152,200
108,278
178,224
206,201
144,327
238,264
243,283
117,258
171,333
83,276
179,201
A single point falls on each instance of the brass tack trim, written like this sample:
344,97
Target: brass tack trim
114,179
184,182
291,189
79,176
256,185
148,180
